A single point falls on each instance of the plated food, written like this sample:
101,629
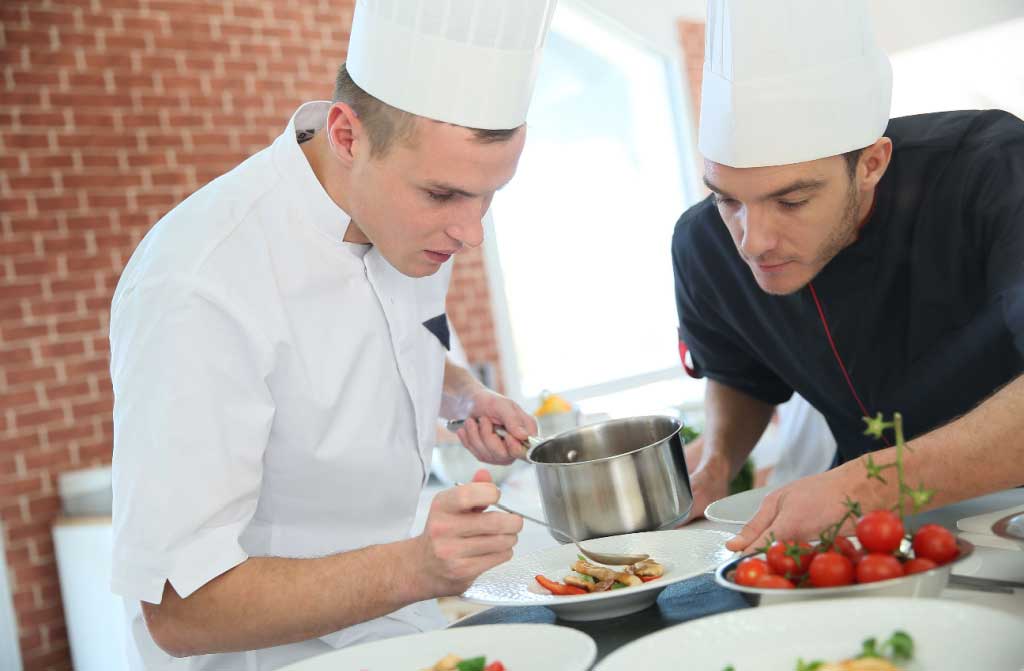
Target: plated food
947,635
533,647
681,553
891,655
452,662
588,577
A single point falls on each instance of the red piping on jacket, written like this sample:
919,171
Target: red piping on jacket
839,359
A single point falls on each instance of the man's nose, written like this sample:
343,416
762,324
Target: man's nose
468,228
759,236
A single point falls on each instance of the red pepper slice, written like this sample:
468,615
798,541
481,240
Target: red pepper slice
495,666
649,578
559,589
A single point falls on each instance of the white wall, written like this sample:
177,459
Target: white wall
10,653
899,24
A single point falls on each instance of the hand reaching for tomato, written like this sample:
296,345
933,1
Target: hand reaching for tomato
803,508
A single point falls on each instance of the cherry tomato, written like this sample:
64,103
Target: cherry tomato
846,547
790,558
830,569
936,543
877,566
750,570
880,531
918,565
495,666
772,581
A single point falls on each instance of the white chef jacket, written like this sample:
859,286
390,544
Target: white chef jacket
804,442
276,394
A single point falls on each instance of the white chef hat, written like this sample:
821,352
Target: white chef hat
468,62
787,81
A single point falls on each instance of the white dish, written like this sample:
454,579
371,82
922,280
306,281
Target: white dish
948,636
520,647
738,508
684,553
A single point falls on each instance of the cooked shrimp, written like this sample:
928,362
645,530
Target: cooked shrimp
648,568
601,573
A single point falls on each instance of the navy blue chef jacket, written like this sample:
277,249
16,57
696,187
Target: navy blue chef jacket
926,307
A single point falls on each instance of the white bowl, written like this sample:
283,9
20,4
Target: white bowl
927,584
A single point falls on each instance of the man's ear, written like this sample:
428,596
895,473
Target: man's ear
874,161
345,134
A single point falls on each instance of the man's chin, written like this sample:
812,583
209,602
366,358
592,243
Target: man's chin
417,270
780,285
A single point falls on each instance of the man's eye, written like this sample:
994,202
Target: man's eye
724,202
792,205
440,196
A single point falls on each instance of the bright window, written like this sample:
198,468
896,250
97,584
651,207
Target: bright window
579,255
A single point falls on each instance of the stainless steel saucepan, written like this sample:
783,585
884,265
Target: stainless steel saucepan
616,477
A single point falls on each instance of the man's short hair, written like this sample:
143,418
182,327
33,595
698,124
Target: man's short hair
852,158
386,124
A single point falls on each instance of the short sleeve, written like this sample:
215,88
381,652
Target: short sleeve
714,346
192,417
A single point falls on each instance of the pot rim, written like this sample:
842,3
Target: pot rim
561,464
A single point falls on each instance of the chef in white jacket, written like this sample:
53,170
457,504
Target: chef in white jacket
278,348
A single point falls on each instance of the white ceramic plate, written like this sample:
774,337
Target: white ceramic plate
683,552
948,636
520,647
738,508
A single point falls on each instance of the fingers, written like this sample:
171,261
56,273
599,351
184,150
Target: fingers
758,528
458,543
465,498
497,446
482,475
479,438
482,546
489,524
519,424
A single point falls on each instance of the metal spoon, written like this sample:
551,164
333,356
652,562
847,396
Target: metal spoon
1011,526
611,559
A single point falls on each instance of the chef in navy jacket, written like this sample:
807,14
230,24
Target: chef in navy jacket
872,265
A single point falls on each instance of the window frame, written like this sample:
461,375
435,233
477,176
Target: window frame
685,124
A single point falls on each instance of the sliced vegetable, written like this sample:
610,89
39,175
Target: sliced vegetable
472,664
557,588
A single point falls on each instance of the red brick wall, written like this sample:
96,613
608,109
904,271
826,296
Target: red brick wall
691,40
113,111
